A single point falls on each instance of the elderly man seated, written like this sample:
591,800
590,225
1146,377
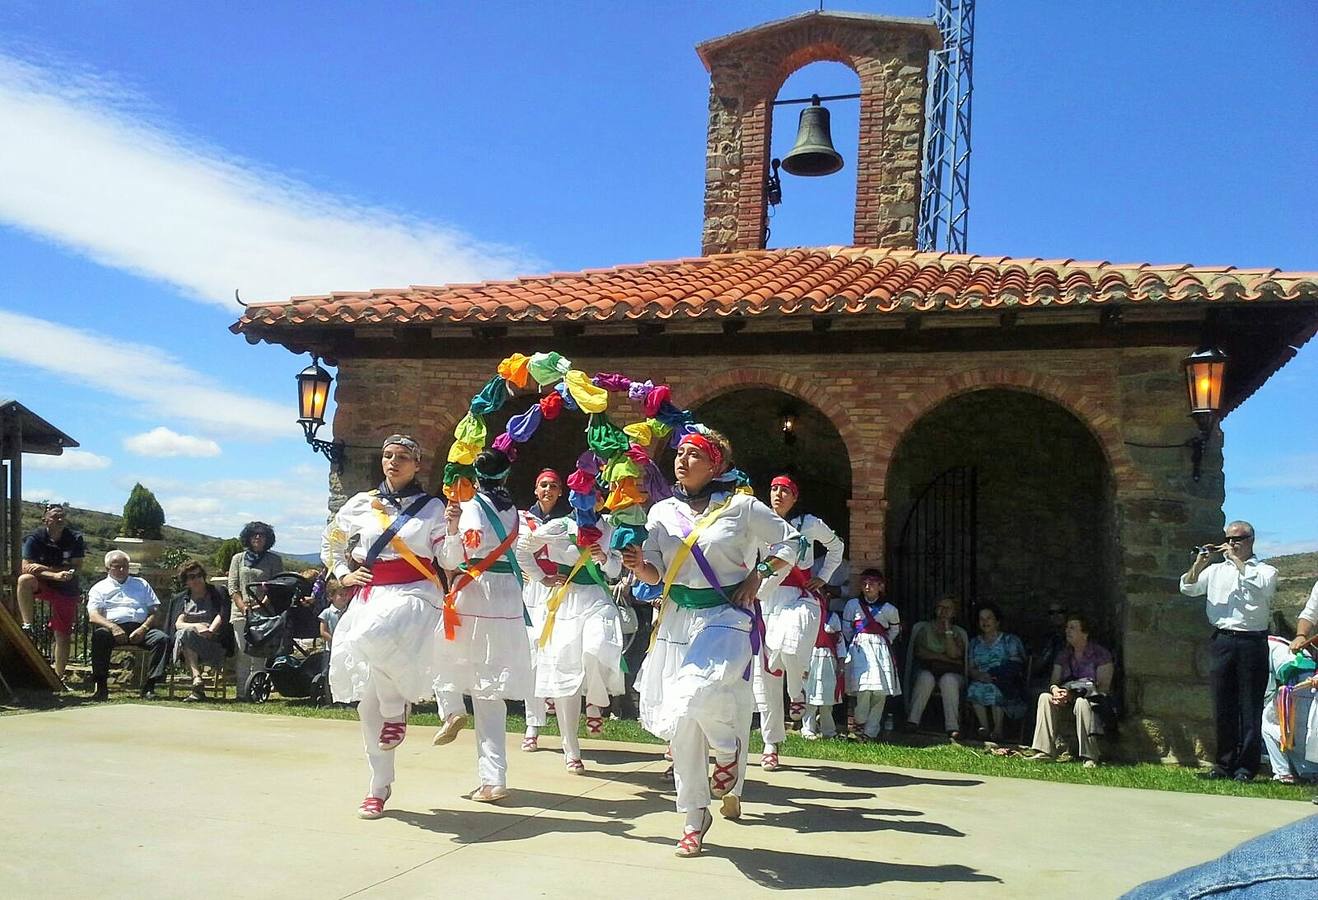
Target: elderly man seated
1082,673
123,609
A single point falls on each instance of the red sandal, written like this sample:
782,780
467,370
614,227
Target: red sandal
594,724
373,807
724,778
530,743
769,762
575,766
392,734
692,842
796,710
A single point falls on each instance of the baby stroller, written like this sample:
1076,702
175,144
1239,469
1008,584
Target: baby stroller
275,620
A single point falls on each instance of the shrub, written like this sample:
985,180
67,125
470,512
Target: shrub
143,517
224,553
174,557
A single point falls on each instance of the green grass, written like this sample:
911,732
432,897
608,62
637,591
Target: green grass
965,759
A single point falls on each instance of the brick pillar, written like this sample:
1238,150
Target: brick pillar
747,69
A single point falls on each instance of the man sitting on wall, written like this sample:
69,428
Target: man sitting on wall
123,609
51,557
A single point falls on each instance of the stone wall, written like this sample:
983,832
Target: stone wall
746,72
873,402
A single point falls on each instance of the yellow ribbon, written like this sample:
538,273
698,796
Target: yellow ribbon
405,552
556,598
680,557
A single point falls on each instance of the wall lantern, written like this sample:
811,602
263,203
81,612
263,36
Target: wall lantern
789,426
313,384
1204,371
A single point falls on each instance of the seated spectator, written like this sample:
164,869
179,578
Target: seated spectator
330,615
1290,725
200,635
51,557
938,648
1081,676
997,673
122,610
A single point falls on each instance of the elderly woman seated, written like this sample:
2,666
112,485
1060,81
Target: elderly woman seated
997,673
1081,676
936,655
201,635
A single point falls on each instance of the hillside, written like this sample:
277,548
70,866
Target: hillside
99,529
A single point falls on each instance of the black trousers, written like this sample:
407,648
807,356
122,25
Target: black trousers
156,641
1237,677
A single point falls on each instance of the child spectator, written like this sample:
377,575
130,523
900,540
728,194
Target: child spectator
330,615
824,681
871,625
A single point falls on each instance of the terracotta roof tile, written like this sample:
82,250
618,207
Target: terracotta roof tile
796,282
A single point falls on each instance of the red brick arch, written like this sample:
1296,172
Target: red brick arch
1102,424
797,386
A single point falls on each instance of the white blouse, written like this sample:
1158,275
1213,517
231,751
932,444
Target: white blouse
745,528
423,534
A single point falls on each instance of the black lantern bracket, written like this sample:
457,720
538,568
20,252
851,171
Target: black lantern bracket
313,384
333,450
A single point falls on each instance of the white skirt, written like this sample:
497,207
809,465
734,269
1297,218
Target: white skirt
870,666
392,632
791,623
490,656
587,634
821,679
696,667
534,596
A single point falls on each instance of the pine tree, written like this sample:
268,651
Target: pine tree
143,517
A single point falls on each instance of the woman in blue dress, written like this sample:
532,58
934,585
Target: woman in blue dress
997,672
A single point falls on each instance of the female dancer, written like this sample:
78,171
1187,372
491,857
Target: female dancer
792,619
872,625
548,492
695,689
383,650
489,657
580,645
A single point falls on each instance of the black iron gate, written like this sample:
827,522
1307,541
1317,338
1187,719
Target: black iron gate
935,553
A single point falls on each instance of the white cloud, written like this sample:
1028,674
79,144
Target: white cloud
295,507
204,220
1297,472
163,442
70,460
152,378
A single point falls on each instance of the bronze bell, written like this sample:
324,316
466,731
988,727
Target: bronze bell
813,153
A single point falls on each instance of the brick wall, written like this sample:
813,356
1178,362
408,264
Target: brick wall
1117,395
746,72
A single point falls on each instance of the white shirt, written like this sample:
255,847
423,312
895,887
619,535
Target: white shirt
747,526
1310,611
813,530
559,536
1237,601
131,601
423,534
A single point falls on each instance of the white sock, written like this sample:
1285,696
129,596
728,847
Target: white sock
532,731
770,748
695,819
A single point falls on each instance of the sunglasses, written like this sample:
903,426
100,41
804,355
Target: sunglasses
1238,538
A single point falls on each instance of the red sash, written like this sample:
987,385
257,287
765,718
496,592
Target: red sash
798,579
394,571
871,624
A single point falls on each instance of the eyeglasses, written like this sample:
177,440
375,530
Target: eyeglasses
117,565
1238,538
192,575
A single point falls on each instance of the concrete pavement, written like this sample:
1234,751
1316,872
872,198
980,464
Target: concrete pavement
134,800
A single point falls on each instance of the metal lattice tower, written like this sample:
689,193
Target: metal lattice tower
945,195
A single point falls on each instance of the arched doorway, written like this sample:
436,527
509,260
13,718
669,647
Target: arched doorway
1016,489
814,455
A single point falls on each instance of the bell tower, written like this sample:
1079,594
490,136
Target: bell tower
889,55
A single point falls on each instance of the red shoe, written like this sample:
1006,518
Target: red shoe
594,724
724,778
692,842
796,709
392,734
530,744
373,807
769,762
575,766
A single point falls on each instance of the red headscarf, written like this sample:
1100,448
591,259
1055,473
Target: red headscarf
705,446
785,481
552,474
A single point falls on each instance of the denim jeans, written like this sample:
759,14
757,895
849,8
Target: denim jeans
1280,865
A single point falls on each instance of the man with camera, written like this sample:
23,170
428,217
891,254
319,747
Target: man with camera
1239,606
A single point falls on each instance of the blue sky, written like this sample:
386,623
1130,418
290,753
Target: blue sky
159,155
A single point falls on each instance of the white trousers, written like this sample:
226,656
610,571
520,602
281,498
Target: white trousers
949,687
380,702
818,720
536,713
869,711
691,745
491,725
568,712
769,702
